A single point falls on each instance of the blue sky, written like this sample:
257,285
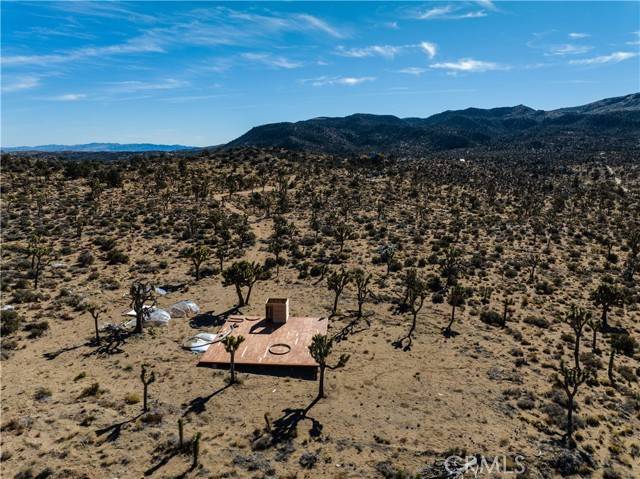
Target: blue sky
202,73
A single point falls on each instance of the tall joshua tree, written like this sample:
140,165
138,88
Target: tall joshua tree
198,255
456,299
577,318
243,274
336,282
570,380
320,349
417,291
141,293
361,280
95,311
231,345
39,251
607,296
146,381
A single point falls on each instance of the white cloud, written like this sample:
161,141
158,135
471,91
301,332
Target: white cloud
429,48
386,51
449,12
578,36
637,40
615,57
132,86
569,49
488,4
321,25
347,81
22,83
70,97
417,71
143,44
468,65
272,60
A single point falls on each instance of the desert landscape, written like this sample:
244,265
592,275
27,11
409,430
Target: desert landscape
300,240
428,234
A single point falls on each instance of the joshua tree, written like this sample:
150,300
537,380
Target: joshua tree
140,294
451,265
145,385
361,280
571,379
320,349
577,318
506,305
95,311
231,345
181,434
631,264
606,296
39,253
243,273
621,343
336,282
387,253
457,297
532,261
198,255
417,291
595,324
342,232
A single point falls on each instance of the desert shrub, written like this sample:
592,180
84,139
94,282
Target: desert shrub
90,391
9,322
85,259
105,244
491,317
36,329
116,256
537,321
21,296
544,287
132,398
437,298
42,394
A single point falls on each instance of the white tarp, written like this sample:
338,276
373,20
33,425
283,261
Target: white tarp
184,309
155,317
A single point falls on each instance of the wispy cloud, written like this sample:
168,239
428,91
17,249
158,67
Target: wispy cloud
337,80
132,86
578,35
468,65
449,12
272,61
21,83
569,49
637,40
386,51
417,71
142,44
615,57
321,25
111,10
69,97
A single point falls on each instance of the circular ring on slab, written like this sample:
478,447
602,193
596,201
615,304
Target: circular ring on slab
255,318
279,349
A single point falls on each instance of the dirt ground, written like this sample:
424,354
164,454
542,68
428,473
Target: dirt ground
388,412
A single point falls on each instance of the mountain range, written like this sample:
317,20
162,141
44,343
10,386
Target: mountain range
608,122
98,147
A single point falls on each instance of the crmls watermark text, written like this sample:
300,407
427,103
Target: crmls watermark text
479,465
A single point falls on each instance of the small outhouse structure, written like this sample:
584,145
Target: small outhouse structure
277,310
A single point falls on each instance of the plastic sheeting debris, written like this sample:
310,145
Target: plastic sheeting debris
183,309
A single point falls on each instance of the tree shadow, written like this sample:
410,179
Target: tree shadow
449,333
350,328
54,354
286,426
115,430
198,405
210,320
112,343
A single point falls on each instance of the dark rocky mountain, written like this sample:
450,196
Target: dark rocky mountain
613,122
100,147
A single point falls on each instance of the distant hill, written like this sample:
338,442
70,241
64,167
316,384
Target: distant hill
99,147
613,121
